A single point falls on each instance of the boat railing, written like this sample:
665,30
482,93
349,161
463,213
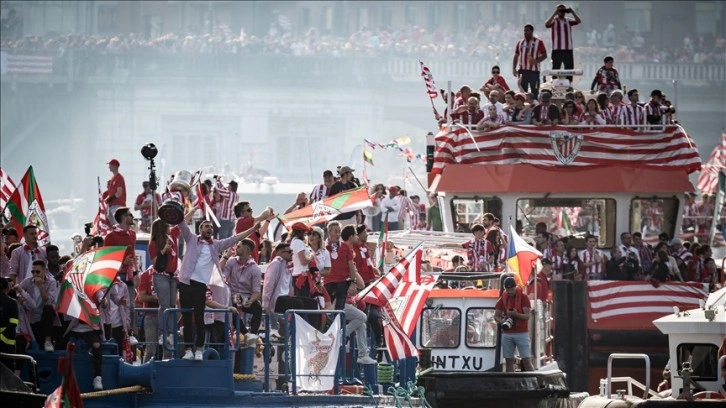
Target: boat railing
33,367
630,382
173,314
542,345
647,128
606,388
291,349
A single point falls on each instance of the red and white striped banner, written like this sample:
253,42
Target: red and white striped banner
708,179
553,146
101,224
641,300
25,64
409,300
398,343
429,80
7,187
382,290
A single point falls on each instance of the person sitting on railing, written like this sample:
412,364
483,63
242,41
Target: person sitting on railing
495,83
521,113
616,106
546,113
568,115
592,114
493,120
36,295
632,114
607,78
356,321
115,312
603,104
218,334
244,278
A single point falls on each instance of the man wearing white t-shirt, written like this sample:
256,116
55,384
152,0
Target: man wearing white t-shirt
391,206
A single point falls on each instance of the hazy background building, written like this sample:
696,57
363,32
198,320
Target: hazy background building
293,88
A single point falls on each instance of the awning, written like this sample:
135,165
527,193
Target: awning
525,178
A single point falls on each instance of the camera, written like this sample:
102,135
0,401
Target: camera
508,323
97,240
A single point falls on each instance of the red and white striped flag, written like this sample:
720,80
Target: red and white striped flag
708,179
398,343
381,291
7,187
409,300
429,80
101,225
25,64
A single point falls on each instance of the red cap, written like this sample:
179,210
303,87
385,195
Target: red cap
114,162
299,226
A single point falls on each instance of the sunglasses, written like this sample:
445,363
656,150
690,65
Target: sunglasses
249,210
37,271
495,72
289,251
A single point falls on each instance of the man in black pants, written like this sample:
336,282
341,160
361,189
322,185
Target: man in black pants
530,51
561,27
201,257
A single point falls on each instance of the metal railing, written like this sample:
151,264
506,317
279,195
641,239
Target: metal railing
291,352
626,356
174,312
80,64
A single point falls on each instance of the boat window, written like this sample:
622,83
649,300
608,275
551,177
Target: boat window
468,211
481,329
440,327
651,216
703,359
570,217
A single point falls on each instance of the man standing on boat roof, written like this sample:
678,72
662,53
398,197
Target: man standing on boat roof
528,53
512,313
561,28
115,194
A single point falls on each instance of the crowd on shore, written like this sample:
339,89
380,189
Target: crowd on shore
491,43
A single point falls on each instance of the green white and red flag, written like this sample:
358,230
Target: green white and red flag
67,395
26,207
84,277
329,208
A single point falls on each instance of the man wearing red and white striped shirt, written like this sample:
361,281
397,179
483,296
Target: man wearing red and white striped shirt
616,105
593,260
561,27
224,207
528,53
322,191
632,114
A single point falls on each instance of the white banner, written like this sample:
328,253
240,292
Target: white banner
316,355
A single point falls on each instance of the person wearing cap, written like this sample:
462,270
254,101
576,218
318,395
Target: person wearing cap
546,113
520,114
514,304
607,78
653,111
144,203
345,183
542,281
115,194
322,191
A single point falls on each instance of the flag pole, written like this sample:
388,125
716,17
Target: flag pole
417,180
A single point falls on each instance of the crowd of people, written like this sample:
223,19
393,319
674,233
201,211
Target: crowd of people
482,41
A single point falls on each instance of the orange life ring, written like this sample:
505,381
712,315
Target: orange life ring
715,395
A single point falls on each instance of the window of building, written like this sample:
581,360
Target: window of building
469,211
481,329
637,16
702,358
387,17
329,15
440,327
411,15
651,216
434,17
707,16
566,217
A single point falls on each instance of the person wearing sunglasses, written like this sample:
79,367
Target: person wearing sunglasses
36,296
246,219
495,83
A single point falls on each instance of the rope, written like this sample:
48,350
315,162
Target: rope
244,377
385,373
115,391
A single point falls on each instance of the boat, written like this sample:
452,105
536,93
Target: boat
695,338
